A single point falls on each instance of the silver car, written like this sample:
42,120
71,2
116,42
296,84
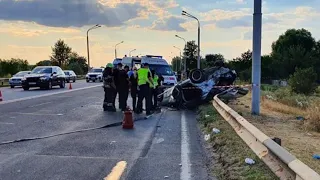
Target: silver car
70,76
16,79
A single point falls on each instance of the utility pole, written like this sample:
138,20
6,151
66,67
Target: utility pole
88,52
256,61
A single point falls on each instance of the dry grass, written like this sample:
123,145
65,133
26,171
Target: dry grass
279,120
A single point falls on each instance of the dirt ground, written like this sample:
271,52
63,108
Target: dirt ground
274,122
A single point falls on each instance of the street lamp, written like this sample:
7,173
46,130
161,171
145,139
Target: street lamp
184,13
94,27
180,55
115,49
131,52
185,60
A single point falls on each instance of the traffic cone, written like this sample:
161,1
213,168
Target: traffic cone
0,96
70,86
127,122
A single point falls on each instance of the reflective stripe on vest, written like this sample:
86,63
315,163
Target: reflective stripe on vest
142,76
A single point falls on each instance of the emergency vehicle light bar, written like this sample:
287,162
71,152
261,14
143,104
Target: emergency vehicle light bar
151,56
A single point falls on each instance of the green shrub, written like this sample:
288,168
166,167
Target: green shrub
303,81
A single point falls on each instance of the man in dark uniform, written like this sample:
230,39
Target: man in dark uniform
133,87
123,87
109,89
144,83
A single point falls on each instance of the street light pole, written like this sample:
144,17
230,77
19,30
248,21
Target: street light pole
256,51
94,27
131,51
180,56
115,49
185,59
184,13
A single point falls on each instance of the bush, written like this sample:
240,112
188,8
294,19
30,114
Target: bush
303,81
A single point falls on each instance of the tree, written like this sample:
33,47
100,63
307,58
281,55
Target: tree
303,81
176,63
80,61
12,66
44,63
60,53
294,48
190,52
212,58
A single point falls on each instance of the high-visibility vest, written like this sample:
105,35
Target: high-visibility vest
155,81
143,76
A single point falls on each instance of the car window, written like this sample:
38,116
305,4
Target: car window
67,73
96,70
60,71
42,70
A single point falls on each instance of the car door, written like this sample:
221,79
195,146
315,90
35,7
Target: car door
54,78
61,75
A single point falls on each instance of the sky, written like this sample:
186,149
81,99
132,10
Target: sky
29,28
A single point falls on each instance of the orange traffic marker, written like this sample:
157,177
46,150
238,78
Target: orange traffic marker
0,96
127,122
70,86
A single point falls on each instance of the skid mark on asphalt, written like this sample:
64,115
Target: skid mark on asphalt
117,171
185,149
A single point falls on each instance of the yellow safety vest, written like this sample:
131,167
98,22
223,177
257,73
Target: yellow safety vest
143,76
155,81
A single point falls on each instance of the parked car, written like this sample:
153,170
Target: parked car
70,76
44,77
16,79
95,74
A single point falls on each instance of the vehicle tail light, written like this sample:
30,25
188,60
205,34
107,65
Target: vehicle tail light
171,78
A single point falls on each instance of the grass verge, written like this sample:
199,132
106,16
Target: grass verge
229,151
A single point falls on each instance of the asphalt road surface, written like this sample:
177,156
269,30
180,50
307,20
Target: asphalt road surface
18,92
165,146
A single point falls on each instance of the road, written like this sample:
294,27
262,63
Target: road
165,146
18,92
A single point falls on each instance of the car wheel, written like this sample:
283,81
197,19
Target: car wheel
26,88
197,76
49,86
12,86
68,81
63,84
74,80
87,81
93,80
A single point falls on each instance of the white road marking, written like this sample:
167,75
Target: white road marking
39,114
49,94
185,149
6,123
40,104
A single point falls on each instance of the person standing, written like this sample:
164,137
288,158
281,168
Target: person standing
154,91
144,81
123,87
134,87
116,81
109,88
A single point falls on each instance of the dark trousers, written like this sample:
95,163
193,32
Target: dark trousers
115,97
108,103
134,92
155,98
144,93
123,97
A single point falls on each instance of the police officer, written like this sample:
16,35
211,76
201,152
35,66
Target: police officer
133,87
123,86
154,90
144,81
109,88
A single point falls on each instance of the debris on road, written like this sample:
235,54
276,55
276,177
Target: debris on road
207,137
316,156
166,177
300,118
215,131
249,161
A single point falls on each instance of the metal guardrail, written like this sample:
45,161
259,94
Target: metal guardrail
280,161
3,80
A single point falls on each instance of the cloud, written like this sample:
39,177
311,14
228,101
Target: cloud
169,24
245,21
62,13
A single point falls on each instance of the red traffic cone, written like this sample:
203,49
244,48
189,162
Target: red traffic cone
127,122
70,86
0,96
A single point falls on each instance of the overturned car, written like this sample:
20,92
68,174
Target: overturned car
201,87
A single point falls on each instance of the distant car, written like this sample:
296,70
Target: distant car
95,74
70,75
16,79
44,77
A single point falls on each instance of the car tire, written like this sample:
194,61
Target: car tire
68,81
93,80
26,88
197,76
74,80
63,84
87,81
12,87
49,85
